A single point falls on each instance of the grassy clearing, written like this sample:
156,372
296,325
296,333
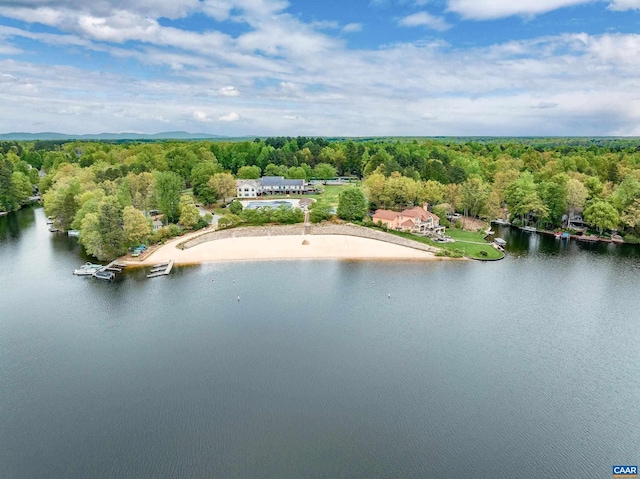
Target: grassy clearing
471,244
467,243
462,235
331,194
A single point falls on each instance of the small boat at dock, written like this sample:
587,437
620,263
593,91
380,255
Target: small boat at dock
4,213
104,275
73,233
529,229
87,269
617,239
501,222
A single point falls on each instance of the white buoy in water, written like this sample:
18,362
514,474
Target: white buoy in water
389,295
238,298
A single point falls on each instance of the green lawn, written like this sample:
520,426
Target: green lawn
463,235
330,194
466,244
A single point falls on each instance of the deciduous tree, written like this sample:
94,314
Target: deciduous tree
319,211
189,214
168,186
249,173
601,215
352,204
324,171
136,225
224,184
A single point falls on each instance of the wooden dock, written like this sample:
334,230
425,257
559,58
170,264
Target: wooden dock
109,271
161,269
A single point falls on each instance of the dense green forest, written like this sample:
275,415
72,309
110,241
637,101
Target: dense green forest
106,189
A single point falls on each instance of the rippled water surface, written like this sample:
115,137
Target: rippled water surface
527,367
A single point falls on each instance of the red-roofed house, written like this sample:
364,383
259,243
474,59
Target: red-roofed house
415,220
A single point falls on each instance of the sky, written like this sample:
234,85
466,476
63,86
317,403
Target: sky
321,67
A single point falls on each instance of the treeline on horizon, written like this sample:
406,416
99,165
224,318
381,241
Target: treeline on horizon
537,180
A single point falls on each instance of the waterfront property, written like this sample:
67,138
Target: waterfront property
412,220
270,185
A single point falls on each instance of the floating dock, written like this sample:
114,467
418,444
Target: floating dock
161,269
107,272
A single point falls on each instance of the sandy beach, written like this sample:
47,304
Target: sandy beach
283,247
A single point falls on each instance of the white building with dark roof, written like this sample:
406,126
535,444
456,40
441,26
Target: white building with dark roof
270,185
248,188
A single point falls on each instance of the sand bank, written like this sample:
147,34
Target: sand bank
284,247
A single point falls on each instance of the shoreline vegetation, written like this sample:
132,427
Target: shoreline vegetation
119,195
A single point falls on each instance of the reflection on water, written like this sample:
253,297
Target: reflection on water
522,243
14,223
524,367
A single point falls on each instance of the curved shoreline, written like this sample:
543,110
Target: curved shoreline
282,242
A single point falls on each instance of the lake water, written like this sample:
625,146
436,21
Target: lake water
526,367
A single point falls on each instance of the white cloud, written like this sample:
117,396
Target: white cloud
201,116
229,91
622,5
295,79
424,19
6,49
289,90
233,116
325,25
545,104
352,28
490,9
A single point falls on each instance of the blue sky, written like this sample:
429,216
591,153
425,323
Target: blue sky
347,68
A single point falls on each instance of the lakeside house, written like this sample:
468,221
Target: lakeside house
270,185
415,220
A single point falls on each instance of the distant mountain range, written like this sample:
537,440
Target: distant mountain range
168,135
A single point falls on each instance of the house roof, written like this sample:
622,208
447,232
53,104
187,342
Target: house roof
407,223
386,215
415,212
253,183
418,212
280,181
